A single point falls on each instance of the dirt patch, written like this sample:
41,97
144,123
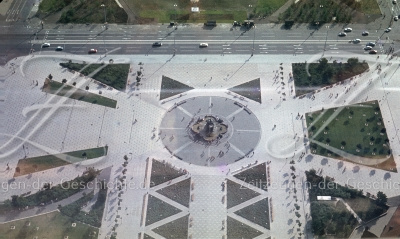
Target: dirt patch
392,229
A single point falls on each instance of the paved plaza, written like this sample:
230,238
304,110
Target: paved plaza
143,127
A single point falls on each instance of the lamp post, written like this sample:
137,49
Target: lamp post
175,5
248,16
105,18
254,38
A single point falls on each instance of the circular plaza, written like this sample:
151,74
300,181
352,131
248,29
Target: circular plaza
210,131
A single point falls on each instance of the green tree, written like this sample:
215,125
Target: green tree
352,62
381,198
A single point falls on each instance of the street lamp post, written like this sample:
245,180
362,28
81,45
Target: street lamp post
105,17
248,16
175,5
254,38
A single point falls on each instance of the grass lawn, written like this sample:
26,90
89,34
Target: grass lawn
370,7
114,75
223,11
51,225
54,87
37,164
77,11
329,217
267,7
324,74
365,208
94,215
308,11
356,129
332,218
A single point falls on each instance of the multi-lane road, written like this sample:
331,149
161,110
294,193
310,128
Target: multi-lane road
264,39
25,37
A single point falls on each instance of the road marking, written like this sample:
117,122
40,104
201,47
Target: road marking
185,111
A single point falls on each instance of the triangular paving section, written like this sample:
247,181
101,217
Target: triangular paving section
158,210
170,87
178,192
237,194
257,213
177,229
162,172
237,230
255,176
145,236
250,90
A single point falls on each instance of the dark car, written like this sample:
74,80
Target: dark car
92,51
365,33
372,44
157,44
373,52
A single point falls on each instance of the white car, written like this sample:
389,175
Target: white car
203,44
388,29
356,41
46,44
59,48
348,29
394,1
342,34
367,48
396,18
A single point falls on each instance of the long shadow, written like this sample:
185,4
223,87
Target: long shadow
160,67
239,67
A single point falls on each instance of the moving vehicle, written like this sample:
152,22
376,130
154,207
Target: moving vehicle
388,29
342,34
367,48
348,29
59,48
356,41
394,1
373,52
365,33
92,51
203,44
396,18
371,44
46,44
157,44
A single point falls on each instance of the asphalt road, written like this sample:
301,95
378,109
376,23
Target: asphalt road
222,40
21,36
